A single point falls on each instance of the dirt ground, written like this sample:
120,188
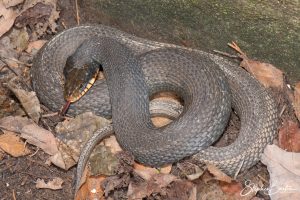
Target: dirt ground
19,174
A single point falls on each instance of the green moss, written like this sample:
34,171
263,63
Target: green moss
266,30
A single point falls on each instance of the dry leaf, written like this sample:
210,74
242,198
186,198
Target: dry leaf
154,185
7,18
29,100
219,175
166,169
55,184
296,102
224,191
40,137
103,162
10,3
32,15
284,170
31,132
116,182
231,188
289,136
196,175
40,15
265,73
76,132
19,38
160,121
14,124
182,190
91,189
65,158
143,171
11,144
35,46
113,144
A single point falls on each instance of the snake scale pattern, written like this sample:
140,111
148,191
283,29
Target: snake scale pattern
208,84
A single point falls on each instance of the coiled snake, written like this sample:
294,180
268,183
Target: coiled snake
135,69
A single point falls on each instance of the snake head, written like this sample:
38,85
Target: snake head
79,78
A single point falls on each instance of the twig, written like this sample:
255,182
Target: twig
226,54
262,178
14,194
2,67
239,169
235,47
21,78
77,13
50,115
11,69
34,152
64,25
15,60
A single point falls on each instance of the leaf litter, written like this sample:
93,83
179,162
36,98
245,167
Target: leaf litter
119,175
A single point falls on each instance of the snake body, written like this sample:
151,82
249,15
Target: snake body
208,84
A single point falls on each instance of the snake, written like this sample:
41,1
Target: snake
135,69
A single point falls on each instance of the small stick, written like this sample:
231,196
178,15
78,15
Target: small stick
282,110
14,195
239,169
15,60
226,54
50,115
65,108
34,152
77,13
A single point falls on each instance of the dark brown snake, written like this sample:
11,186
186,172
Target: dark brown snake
135,69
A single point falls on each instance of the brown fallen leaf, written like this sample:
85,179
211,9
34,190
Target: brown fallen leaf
64,158
155,185
29,100
181,190
14,124
143,171
7,18
31,132
10,3
166,169
40,15
76,132
34,46
284,172
19,38
40,137
218,174
160,121
265,73
222,190
296,102
91,189
103,162
113,144
55,184
231,188
12,144
115,182
33,15
190,170
289,136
